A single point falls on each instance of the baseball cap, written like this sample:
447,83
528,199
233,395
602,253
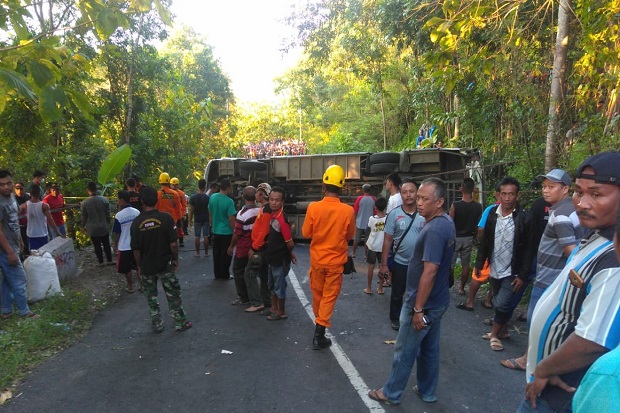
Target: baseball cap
605,165
265,187
556,175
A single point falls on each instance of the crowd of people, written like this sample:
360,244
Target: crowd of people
276,147
563,245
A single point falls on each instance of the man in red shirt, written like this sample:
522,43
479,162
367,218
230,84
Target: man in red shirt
56,202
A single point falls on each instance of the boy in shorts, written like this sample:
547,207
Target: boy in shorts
121,237
376,224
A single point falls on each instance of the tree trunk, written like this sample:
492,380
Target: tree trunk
556,94
457,120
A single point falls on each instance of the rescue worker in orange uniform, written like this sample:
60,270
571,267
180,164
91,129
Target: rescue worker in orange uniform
330,225
174,184
168,199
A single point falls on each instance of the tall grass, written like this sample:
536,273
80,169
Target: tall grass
26,342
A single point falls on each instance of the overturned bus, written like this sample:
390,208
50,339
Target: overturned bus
301,176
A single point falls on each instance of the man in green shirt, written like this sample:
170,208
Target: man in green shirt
222,215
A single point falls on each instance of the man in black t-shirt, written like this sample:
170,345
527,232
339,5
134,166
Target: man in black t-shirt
134,195
199,215
154,245
466,214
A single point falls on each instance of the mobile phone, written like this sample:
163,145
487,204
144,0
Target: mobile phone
575,279
426,320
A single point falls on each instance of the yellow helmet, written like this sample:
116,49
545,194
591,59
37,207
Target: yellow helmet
334,175
164,178
174,181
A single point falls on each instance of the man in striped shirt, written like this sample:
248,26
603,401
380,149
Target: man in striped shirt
577,320
242,240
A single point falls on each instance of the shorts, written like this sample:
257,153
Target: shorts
462,248
37,242
485,273
125,262
373,257
359,232
202,228
277,279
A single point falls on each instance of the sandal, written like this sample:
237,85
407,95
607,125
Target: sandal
276,317
374,394
380,291
487,336
6,316
463,306
186,326
32,315
511,364
367,291
496,344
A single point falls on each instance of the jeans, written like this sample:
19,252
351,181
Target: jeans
13,287
537,292
277,279
541,407
503,293
411,346
61,228
399,285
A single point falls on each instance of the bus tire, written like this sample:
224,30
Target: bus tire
384,158
383,168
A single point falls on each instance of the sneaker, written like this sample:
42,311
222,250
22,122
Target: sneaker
186,326
396,325
158,328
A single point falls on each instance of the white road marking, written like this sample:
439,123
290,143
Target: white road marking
343,360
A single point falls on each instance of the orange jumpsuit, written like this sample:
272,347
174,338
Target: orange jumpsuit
330,224
168,201
183,212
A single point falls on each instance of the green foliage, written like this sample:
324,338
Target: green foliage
27,342
477,70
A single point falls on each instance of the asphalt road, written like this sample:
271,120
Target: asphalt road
121,366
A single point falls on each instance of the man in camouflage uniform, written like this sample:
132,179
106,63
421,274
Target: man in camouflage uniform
154,244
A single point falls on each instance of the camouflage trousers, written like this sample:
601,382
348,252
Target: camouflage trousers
172,289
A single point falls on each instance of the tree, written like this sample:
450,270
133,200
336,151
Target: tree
557,82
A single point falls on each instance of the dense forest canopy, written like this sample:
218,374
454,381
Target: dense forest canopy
78,80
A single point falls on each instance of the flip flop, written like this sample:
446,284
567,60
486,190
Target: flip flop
462,306
511,364
374,394
367,291
487,336
129,291
380,292
254,309
276,317
496,344
482,303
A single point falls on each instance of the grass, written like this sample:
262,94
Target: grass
27,342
